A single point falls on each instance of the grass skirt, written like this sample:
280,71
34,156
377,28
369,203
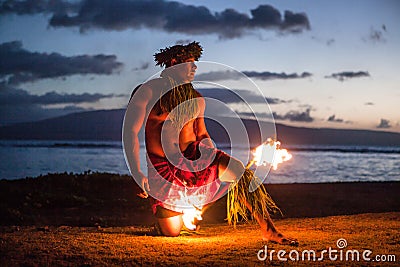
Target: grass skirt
259,200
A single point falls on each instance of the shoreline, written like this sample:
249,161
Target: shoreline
104,199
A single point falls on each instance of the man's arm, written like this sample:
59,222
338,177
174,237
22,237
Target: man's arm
201,129
135,116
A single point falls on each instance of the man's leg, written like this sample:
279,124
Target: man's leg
171,226
170,222
269,231
233,171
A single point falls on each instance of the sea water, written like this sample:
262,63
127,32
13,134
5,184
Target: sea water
310,164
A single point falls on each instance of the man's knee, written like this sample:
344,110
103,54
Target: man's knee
237,166
170,227
170,232
230,169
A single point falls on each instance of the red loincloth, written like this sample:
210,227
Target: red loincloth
194,176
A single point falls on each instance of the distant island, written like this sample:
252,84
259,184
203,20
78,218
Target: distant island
107,125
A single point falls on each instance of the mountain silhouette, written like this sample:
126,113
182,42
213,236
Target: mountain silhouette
107,125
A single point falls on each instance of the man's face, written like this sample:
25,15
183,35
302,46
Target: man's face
186,70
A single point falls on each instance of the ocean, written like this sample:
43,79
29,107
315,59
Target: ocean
310,164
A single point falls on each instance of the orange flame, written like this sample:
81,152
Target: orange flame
193,209
190,216
270,153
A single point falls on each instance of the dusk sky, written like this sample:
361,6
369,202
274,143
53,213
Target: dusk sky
331,64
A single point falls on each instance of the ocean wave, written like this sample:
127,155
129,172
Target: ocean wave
224,146
63,145
348,149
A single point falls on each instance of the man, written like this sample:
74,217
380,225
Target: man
182,160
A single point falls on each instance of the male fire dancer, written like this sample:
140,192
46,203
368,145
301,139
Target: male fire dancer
177,143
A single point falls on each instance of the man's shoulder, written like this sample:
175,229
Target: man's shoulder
147,87
154,83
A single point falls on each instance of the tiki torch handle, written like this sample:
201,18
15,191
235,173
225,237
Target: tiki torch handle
251,162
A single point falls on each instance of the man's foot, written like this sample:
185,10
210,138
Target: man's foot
278,238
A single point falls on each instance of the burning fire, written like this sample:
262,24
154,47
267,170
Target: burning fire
270,153
193,209
190,217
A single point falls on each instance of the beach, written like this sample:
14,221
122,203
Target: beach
96,219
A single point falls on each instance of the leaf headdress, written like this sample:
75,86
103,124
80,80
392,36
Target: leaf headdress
178,52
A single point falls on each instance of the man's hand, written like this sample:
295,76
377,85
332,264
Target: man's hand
144,184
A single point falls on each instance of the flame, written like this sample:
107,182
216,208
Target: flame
270,153
193,209
190,218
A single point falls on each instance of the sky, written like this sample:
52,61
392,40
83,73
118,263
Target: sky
330,64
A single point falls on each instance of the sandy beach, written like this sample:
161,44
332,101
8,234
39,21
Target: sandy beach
96,219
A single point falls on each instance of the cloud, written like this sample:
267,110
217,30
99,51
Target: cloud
183,41
369,104
142,66
11,96
295,22
342,76
330,42
327,42
384,124
18,65
170,16
376,35
255,115
232,75
30,7
298,116
334,119
238,96
213,76
271,75
18,105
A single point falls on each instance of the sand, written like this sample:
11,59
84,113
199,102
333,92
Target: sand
213,245
97,220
